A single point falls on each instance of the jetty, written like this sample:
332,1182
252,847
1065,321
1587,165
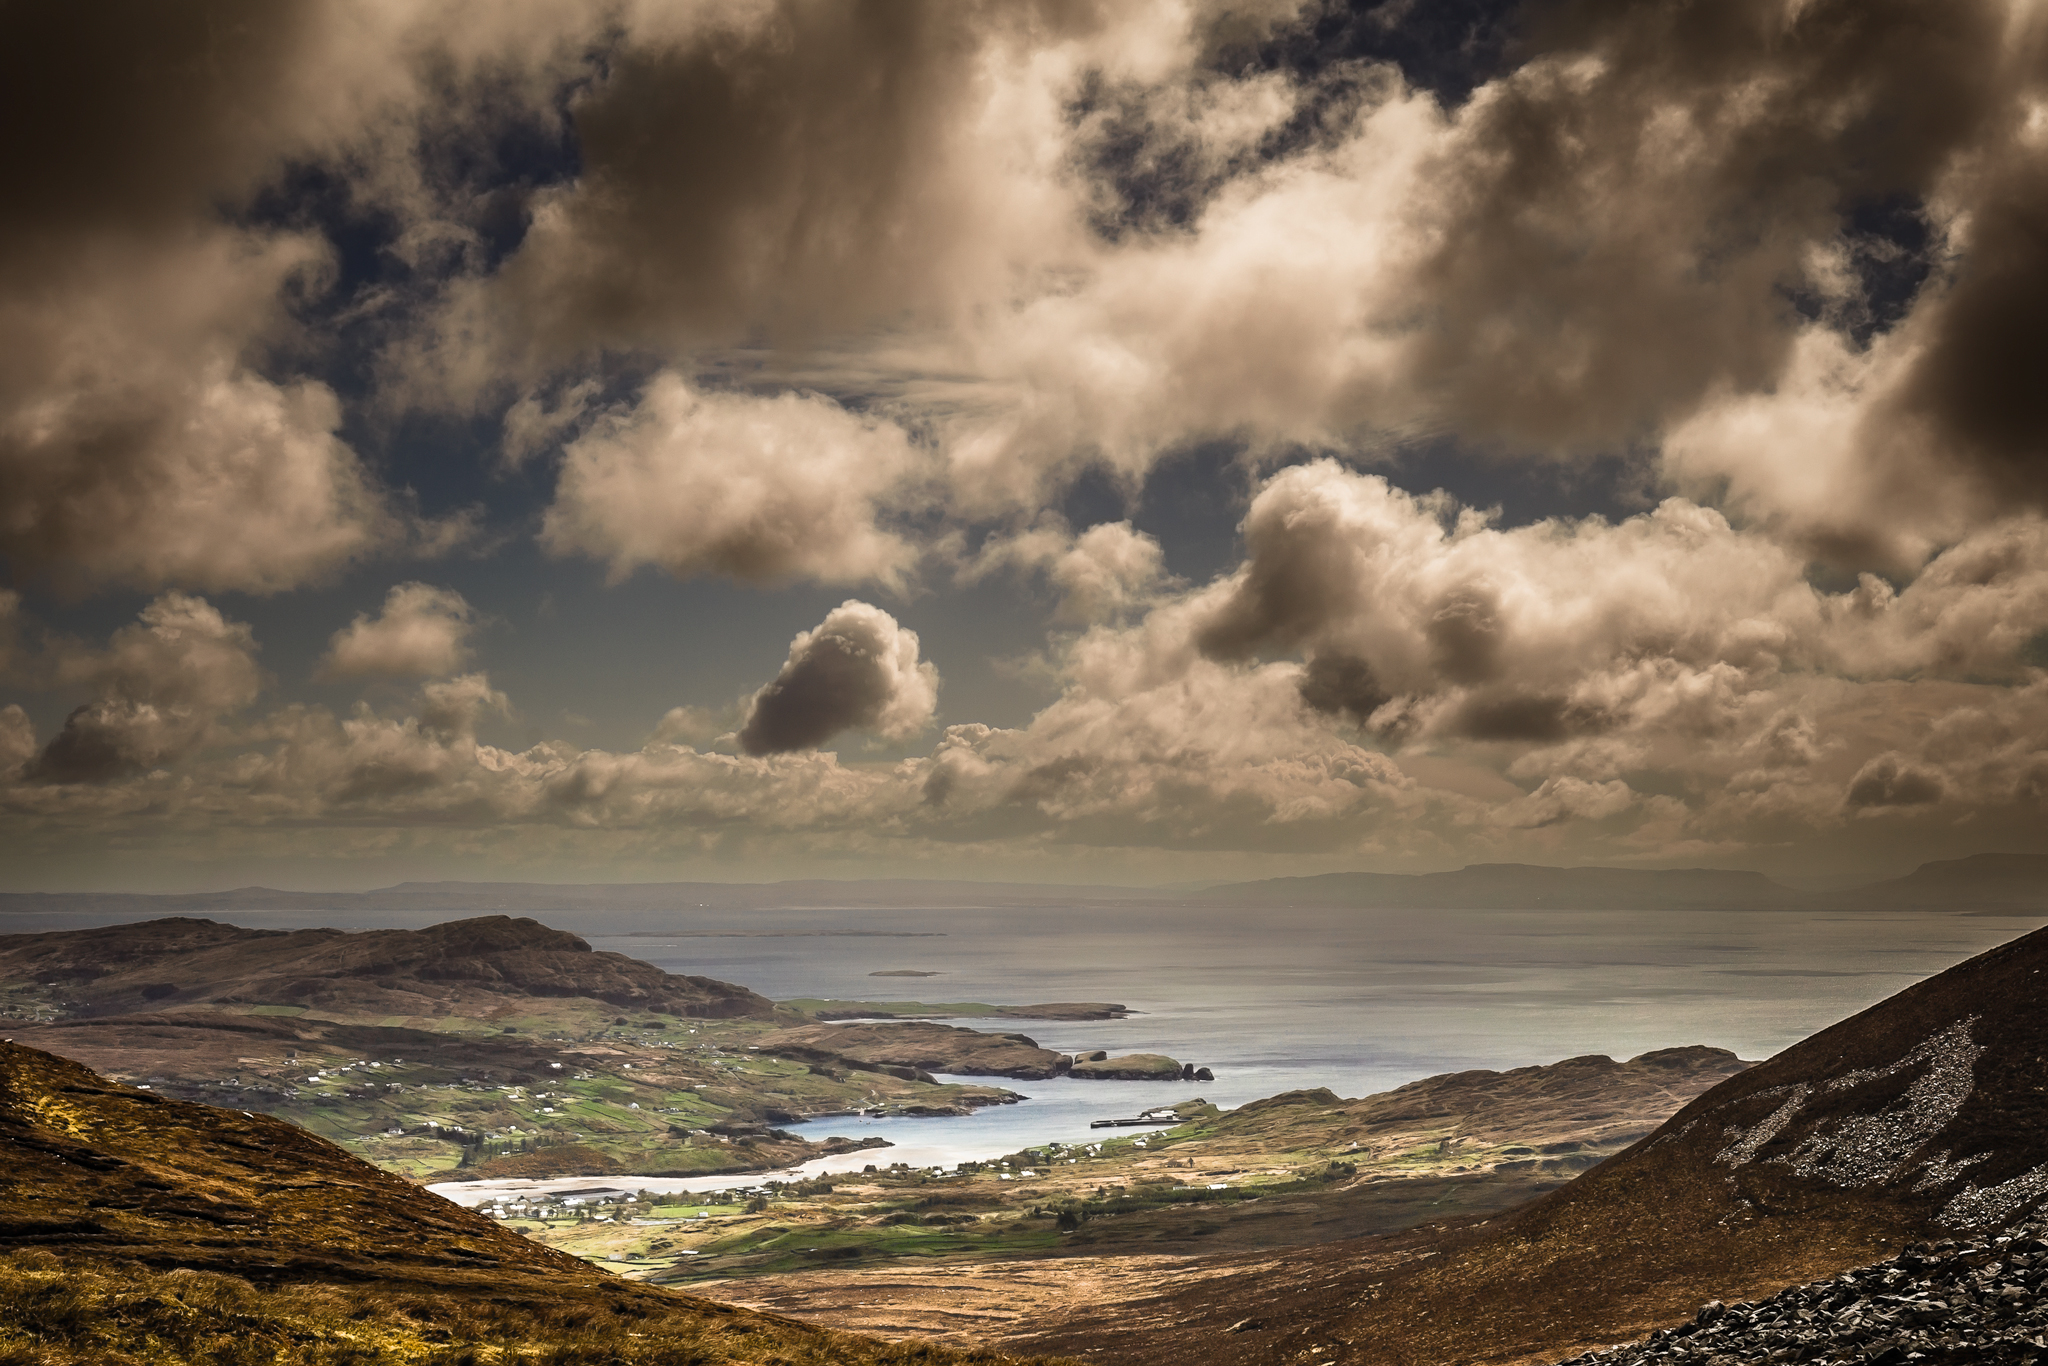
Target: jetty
1159,1116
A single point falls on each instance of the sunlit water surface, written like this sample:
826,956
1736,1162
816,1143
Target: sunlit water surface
1358,1001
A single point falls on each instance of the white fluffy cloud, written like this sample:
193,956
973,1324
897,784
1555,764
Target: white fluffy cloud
1720,745
421,630
757,488
1105,571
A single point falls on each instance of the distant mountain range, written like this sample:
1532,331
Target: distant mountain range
1982,884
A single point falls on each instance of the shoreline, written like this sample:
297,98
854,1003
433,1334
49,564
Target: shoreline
469,1194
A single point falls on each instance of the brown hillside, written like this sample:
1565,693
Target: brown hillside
95,1166
1925,1115
112,1197
465,967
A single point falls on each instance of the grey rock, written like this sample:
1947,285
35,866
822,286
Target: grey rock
1948,1303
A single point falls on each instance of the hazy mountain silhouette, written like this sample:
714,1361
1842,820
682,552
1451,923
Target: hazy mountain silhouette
1997,883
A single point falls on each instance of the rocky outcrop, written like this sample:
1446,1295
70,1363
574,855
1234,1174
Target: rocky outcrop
1946,1302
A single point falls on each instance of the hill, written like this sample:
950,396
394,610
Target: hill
474,968
1923,1116
441,1051
111,1198
1985,884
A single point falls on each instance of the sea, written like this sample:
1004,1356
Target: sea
1289,999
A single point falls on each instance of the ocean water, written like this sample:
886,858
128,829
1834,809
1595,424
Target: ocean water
1356,1001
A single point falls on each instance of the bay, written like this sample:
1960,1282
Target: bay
1356,1001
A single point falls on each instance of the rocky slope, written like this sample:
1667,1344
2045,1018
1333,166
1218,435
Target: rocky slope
1926,1115
465,967
111,1198
1979,1301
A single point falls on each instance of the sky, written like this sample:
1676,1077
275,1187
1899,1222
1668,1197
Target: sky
1137,441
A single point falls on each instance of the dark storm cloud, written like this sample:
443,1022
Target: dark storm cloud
1464,636
1526,717
858,670
787,167
1338,684
1728,137
137,443
1981,378
1889,780
128,116
1301,570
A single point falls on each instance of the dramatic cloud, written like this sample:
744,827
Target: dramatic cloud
159,688
858,670
421,630
136,446
756,488
798,167
794,291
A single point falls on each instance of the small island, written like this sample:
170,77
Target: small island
1099,1066
923,1047
828,1009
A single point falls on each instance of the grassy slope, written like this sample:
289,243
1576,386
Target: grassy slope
1302,1167
139,1229
644,1096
